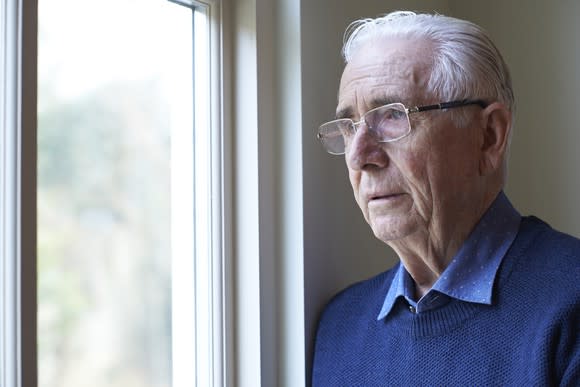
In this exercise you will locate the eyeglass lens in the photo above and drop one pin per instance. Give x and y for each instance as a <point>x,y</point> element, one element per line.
<point>385,123</point>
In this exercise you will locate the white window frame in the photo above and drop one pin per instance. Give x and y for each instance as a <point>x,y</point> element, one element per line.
<point>265,100</point>
<point>198,286</point>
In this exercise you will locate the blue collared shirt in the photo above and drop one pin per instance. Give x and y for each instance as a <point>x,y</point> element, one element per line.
<point>471,274</point>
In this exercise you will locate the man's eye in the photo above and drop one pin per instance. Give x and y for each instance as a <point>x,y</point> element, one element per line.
<point>386,117</point>
<point>393,114</point>
<point>345,128</point>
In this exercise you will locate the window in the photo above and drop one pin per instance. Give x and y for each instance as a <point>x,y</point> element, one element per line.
<point>128,194</point>
<point>124,211</point>
<point>253,281</point>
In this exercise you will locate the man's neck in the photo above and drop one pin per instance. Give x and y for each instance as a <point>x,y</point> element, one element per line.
<point>427,253</point>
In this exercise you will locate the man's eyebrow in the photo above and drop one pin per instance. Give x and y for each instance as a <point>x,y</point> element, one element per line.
<point>381,101</point>
<point>376,102</point>
<point>343,113</point>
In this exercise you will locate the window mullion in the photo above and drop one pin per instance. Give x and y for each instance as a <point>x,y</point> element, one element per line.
<point>18,193</point>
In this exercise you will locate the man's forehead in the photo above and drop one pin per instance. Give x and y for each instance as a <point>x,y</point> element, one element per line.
<point>392,50</point>
<point>382,73</point>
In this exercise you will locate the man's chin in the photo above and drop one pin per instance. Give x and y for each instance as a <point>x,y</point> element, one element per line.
<point>391,229</point>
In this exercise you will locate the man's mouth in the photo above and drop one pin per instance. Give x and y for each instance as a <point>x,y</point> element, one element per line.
<point>385,197</point>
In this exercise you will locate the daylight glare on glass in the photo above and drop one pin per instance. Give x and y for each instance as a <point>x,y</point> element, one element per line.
<point>115,181</point>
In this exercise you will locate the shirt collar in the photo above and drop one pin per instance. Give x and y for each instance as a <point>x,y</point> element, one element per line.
<point>471,273</point>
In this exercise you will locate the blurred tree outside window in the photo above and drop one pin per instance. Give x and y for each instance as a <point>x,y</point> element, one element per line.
<point>115,177</point>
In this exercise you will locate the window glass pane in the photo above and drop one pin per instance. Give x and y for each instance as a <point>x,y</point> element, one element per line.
<point>115,89</point>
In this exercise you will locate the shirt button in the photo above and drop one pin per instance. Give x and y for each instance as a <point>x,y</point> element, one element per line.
<point>412,309</point>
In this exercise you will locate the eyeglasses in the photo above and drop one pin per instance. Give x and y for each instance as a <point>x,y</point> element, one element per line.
<point>386,123</point>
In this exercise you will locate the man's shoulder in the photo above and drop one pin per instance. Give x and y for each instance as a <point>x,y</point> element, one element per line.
<point>550,257</point>
<point>552,249</point>
<point>364,296</point>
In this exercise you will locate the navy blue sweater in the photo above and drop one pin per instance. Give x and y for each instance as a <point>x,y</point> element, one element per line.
<point>529,336</point>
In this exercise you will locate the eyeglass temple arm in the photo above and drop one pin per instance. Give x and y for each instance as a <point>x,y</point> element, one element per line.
<point>449,105</point>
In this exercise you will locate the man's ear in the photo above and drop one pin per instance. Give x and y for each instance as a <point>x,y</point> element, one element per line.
<point>497,123</point>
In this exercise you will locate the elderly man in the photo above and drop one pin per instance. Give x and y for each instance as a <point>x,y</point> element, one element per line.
<point>482,296</point>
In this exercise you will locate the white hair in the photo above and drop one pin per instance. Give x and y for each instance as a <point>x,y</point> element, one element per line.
<point>466,63</point>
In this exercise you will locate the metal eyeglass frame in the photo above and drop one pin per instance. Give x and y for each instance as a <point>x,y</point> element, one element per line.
<point>410,110</point>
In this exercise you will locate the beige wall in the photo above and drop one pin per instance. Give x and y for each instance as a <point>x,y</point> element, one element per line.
<point>540,42</point>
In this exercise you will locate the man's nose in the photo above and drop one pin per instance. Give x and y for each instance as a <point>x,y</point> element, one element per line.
<point>365,150</point>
